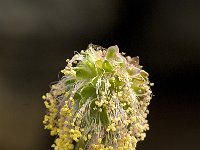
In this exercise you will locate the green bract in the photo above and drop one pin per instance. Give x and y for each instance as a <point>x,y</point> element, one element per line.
<point>100,102</point>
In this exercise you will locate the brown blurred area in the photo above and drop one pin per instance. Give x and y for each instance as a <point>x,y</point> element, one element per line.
<point>37,36</point>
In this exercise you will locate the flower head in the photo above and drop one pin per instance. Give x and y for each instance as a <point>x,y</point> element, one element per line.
<point>100,102</point>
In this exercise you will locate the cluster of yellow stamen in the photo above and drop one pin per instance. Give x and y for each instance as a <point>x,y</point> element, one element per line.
<point>100,103</point>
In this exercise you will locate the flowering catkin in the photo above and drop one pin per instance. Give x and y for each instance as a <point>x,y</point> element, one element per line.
<point>100,103</point>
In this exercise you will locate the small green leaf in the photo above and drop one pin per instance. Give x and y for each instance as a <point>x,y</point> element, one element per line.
<point>70,81</point>
<point>93,112</point>
<point>99,63</point>
<point>86,70</point>
<point>138,90</point>
<point>100,70</point>
<point>77,98</point>
<point>136,85</point>
<point>94,81</point>
<point>87,92</point>
<point>83,73</point>
<point>112,51</point>
<point>144,74</point>
<point>104,117</point>
<point>107,66</point>
<point>137,81</point>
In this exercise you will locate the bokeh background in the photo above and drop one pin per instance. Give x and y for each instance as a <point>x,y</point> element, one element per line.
<point>37,36</point>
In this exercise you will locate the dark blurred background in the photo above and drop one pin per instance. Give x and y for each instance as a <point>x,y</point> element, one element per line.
<point>36,37</point>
